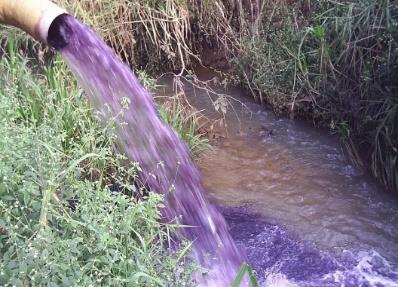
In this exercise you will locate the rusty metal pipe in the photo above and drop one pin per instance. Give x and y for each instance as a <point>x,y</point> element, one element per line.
<point>32,16</point>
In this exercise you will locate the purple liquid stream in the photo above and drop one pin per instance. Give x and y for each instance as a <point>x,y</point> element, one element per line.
<point>165,160</point>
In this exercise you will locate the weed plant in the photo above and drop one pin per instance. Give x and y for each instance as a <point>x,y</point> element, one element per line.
<point>61,221</point>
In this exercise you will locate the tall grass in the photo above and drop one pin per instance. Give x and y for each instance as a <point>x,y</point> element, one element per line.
<point>334,62</point>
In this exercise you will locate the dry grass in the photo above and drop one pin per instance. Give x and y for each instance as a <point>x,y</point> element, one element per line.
<point>162,35</point>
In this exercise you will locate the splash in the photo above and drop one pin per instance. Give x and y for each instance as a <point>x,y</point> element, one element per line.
<point>165,160</point>
<point>282,259</point>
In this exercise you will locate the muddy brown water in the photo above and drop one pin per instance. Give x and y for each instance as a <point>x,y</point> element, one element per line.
<point>290,195</point>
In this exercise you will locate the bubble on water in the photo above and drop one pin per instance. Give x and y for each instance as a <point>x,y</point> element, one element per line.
<point>278,280</point>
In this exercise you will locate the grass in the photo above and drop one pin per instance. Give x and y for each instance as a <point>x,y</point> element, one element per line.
<point>335,63</point>
<point>245,269</point>
<point>185,123</point>
<point>159,36</point>
<point>62,221</point>
<point>175,111</point>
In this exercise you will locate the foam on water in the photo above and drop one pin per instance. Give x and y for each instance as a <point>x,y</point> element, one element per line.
<point>114,91</point>
<point>281,259</point>
<point>369,269</point>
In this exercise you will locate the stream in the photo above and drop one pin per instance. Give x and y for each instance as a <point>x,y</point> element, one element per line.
<point>304,215</point>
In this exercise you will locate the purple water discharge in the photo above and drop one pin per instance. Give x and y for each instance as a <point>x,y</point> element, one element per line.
<point>165,160</point>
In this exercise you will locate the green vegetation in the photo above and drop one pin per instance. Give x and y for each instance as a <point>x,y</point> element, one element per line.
<point>185,122</point>
<point>336,63</point>
<point>74,214</point>
<point>245,269</point>
<point>72,211</point>
<point>332,62</point>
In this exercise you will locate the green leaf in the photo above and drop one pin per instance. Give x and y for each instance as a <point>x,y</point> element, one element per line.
<point>242,272</point>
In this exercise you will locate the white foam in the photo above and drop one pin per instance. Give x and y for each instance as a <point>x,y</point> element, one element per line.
<point>372,269</point>
<point>278,280</point>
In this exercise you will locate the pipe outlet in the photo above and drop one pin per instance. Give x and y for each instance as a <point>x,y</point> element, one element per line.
<point>33,16</point>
